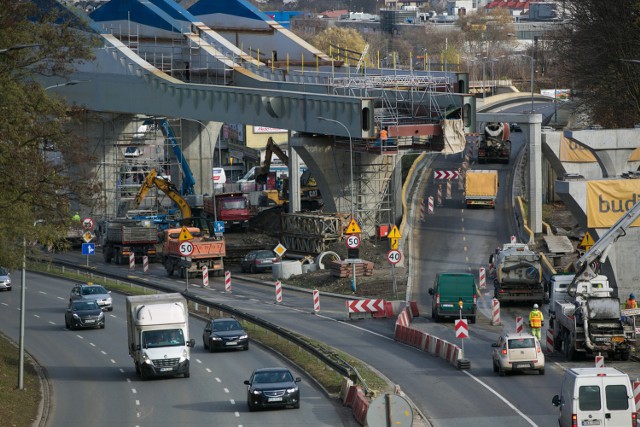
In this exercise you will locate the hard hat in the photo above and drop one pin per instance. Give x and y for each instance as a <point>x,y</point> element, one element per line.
<point>631,296</point>
<point>535,305</point>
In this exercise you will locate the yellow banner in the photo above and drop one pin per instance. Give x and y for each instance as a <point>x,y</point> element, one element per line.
<point>608,200</point>
<point>571,152</point>
<point>635,155</point>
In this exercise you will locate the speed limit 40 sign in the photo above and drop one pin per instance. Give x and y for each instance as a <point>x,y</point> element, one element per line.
<point>186,248</point>
<point>394,256</point>
<point>353,241</point>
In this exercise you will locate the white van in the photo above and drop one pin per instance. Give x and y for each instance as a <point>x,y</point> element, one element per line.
<point>219,177</point>
<point>596,397</point>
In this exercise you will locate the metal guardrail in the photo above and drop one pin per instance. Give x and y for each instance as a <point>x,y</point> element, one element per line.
<point>328,357</point>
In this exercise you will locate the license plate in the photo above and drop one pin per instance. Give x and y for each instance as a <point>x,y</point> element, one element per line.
<point>90,321</point>
<point>275,399</point>
<point>521,365</point>
<point>590,422</point>
<point>166,369</point>
<point>232,343</point>
<point>446,305</point>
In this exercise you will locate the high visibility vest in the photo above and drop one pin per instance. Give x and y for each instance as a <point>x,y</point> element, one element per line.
<point>383,134</point>
<point>535,319</point>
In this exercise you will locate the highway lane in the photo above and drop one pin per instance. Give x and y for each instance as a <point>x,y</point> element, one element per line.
<point>93,378</point>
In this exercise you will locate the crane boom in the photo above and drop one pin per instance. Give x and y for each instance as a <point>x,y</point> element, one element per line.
<point>166,187</point>
<point>188,181</point>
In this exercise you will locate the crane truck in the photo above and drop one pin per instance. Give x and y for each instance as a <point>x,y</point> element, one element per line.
<point>494,145</point>
<point>209,249</point>
<point>188,181</point>
<point>518,274</point>
<point>586,316</point>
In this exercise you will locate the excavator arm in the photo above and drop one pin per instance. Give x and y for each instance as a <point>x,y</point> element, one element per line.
<point>271,149</point>
<point>166,187</point>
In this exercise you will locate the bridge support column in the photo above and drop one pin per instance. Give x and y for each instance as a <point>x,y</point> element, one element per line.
<point>199,146</point>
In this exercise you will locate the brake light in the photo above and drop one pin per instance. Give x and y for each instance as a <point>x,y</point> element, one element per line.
<point>634,419</point>
<point>574,420</point>
<point>475,299</point>
<point>504,351</point>
<point>437,298</point>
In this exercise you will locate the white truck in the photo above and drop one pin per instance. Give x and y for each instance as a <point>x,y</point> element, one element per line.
<point>158,334</point>
<point>585,316</point>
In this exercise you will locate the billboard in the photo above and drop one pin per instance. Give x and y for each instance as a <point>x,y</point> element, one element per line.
<point>559,94</point>
<point>572,152</point>
<point>608,200</point>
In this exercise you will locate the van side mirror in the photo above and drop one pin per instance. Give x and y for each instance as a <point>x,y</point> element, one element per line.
<point>192,343</point>
<point>556,400</point>
<point>495,344</point>
<point>430,291</point>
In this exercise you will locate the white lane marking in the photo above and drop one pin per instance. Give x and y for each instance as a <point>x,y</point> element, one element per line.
<point>5,304</point>
<point>103,352</point>
<point>218,380</point>
<point>465,249</point>
<point>208,370</point>
<point>61,298</point>
<point>42,292</point>
<point>137,402</point>
<point>233,402</point>
<point>113,361</point>
<point>237,414</point>
<point>80,336</point>
<point>499,396</point>
<point>92,344</point>
<point>198,360</point>
<point>122,372</point>
<point>36,316</point>
<point>128,379</point>
<point>52,323</point>
<point>134,391</point>
<point>226,390</point>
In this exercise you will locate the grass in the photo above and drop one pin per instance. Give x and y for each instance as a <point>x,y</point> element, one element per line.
<point>20,407</point>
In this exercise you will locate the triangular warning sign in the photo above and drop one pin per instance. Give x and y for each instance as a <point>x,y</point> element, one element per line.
<point>185,234</point>
<point>394,233</point>
<point>587,241</point>
<point>353,228</point>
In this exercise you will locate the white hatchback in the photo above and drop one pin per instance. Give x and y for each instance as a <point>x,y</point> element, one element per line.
<point>517,352</point>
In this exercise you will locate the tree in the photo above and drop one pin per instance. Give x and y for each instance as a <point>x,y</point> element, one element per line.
<point>33,188</point>
<point>593,57</point>
<point>344,44</point>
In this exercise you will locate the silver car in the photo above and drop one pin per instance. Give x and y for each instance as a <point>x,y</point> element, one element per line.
<point>97,293</point>
<point>5,279</point>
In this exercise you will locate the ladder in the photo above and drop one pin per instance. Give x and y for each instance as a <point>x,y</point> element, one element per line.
<point>362,56</point>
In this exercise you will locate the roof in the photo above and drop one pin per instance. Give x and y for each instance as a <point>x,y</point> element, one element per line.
<point>333,13</point>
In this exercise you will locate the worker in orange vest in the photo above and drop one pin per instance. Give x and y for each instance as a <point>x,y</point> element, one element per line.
<point>384,135</point>
<point>536,320</point>
<point>631,302</point>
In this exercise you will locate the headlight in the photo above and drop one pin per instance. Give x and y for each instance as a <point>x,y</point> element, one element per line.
<point>184,353</point>
<point>215,338</point>
<point>256,392</point>
<point>145,357</point>
<point>109,300</point>
<point>75,316</point>
<point>292,390</point>
<point>244,337</point>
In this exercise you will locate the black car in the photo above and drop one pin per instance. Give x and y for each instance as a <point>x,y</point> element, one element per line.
<point>514,127</point>
<point>220,334</point>
<point>272,387</point>
<point>84,314</point>
<point>256,261</point>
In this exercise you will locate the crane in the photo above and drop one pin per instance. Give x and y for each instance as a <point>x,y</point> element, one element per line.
<point>188,181</point>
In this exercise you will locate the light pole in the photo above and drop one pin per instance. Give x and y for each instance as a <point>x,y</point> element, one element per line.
<point>353,216</point>
<point>533,61</point>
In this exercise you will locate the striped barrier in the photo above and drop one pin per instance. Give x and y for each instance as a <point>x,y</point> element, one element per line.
<point>430,205</point>
<point>448,195</point>
<point>550,344</point>
<point>316,300</point>
<point>599,361</point>
<point>278,291</point>
<point>132,261</point>
<point>422,210</point>
<point>439,194</point>
<point>145,264</point>
<point>519,324</point>
<point>483,278</point>
<point>227,281</point>
<point>205,276</point>
<point>495,312</point>
<point>636,394</point>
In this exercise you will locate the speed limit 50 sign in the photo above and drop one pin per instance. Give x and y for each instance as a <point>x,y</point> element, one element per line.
<point>353,241</point>
<point>394,256</point>
<point>186,248</point>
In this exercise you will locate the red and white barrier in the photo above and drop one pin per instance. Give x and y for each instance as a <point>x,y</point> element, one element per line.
<point>278,291</point>
<point>599,361</point>
<point>448,196</point>
<point>145,263</point>
<point>205,276</point>
<point>513,239</point>
<point>550,344</point>
<point>439,194</point>
<point>316,300</point>
<point>495,312</point>
<point>430,204</point>
<point>519,324</point>
<point>483,278</point>
<point>636,394</point>
<point>227,281</point>
<point>132,261</point>
<point>422,210</point>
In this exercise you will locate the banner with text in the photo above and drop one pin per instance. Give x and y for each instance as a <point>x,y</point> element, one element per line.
<point>635,155</point>
<point>608,200</point>
<point>572,152</point>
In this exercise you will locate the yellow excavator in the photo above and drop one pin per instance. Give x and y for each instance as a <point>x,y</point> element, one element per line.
<point>167,187</point>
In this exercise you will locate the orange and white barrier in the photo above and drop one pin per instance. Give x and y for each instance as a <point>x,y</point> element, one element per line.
<point>227,281</point>
<point>205,276</point>
<point>599,361</point>
<point>430,204</point>
<point>439,194</point>
<point>636,394</point>
<point>132,261</point>
<point>145,263</point>
<point>278,291</point>
<point>495,312</point>
<point>448,196</point>
<point>483,278</point>
<point>422,210</point>
<point>316,300</point>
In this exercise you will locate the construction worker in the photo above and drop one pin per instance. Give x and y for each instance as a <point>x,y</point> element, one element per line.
<point>536,321</point>
<point>384,135</point>
<point>76,217</point>
<point>631,302</point>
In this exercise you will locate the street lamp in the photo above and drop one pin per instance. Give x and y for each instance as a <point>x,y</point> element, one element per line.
<point>353,216</point>
<point>533,61</point>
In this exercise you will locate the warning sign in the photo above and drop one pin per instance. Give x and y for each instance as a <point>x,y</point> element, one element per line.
<point>394,233</point>
<point>587,241</point>
<point>185,234</point>
<point>353,228</point>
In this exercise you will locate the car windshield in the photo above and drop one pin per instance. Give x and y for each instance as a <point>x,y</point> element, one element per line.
<point>522,343</point>
<point>85,305</point>
<point>231,325</point>
<point>3,271</point>
<point>163,338</point>
<point>272,377</point>
<point>94,290</point>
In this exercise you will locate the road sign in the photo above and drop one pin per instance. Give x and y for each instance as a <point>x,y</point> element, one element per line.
<point>218,227</point>
<point>587,241</point>
<point>88,236</point>
<point>353,241</point>
<point>445,174</point>
<point>393,243</point>
<point>462,330</point>
<point>353,228</point>
<point>185,235</point>
<point>186,248</point>
<point>88,224</point>
<point>88,249</point>
<point>394,256</point>
<point>394,233</point>
<point>280,250</point>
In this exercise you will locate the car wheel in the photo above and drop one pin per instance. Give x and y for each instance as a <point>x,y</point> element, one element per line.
<point>253,269</point>
<point>143,374</point>
<point>137,368</point>
<point>102,326</point>
<point>502,372</point>
<point>110,309</point>
<point>66,324</point>
<point>495,367</point>
<point>187,374</point>
<point>251,407</point>
<point>246,347</point>
<point>204,344</point>
<point>296,406</point>
<point>541,371</point>
<point>211,348</point>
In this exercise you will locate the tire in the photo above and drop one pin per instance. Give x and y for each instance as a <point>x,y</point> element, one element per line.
<point>246,347</point>
<point>168,265</point>
<point>251,407</point>
<point>204,344</point>
<point>137,369</point>
<point>501,372</point>
<point>495,367</point>
<point>541,371</point>
<point>143,375</point>
<point>253,269</point>
<point>557,343</point>
<point>187,374</point>
<point>625,355</point>
<point>118,258</point>
<point>211,350</point>
<point>433,314</point>
<point>66,323</point>
<point>102,326</point>
<point>296,406</point>
<point>472,319</point>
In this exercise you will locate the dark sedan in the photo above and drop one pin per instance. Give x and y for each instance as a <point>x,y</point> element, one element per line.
<point>221,334</point>
<point>84,314</point>
<point>257,261</point>
<point>272,387</point>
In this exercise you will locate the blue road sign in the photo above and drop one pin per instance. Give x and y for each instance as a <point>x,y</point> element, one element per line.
<point>218,227</point>
<point>88,248</point>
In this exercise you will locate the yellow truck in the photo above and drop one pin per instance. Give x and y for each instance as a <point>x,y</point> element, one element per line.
<point>481,188</point>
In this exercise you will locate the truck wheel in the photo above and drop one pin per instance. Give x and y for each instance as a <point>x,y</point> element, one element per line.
<point>118,258</point>
<point>557,343</point>
<point>472,319</point>
<point>625,355</point>
<point>168,265</point>
<point>137,368</point>
<point>187,374</point>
